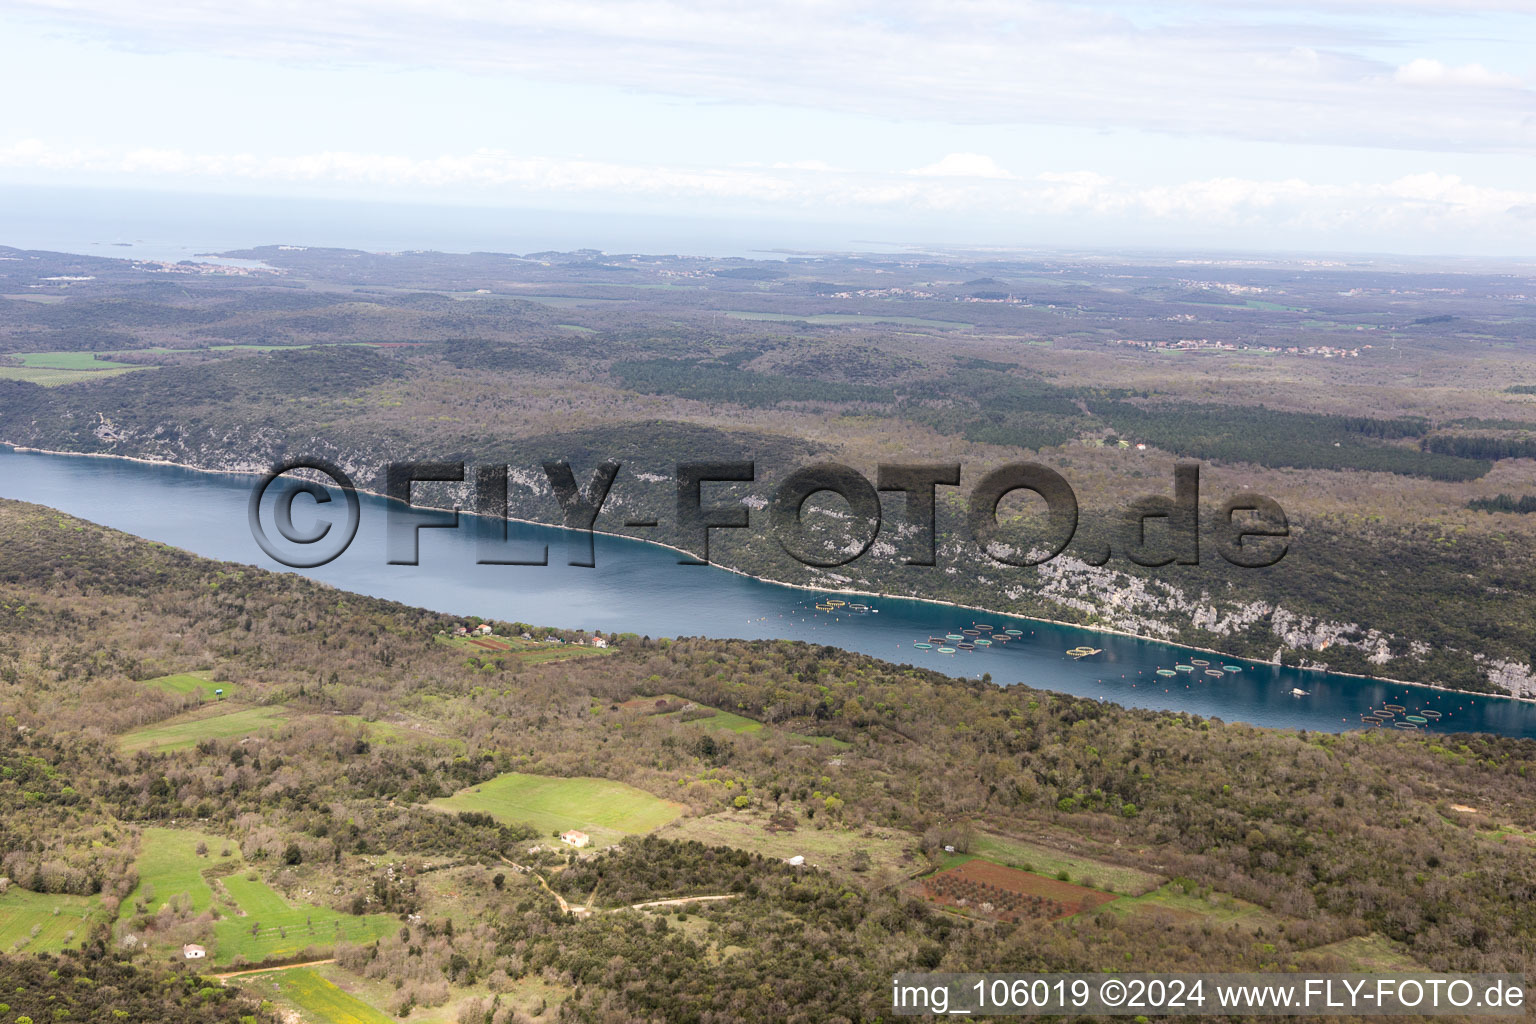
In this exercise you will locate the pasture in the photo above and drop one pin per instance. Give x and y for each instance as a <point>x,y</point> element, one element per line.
<point>190,682</point>
<point>61,921</point>
<point>605,810</point>
<point>269,926</point>
<point>185,731</point>
<point>317,1000</point>
<point>169,865</point>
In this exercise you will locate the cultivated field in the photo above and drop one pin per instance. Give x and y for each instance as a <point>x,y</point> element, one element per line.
<point>605,810</point>
<point>1096,874</point>
<point>185,731</point>
<point>996,890</point>
<point>61,921</point>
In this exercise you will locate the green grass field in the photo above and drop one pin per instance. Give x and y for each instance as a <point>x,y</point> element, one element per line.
<point>188,682</point>
<point>184,731</point>
<point>269,926</point>
<point>1368,953</point>
<point>61,921</point>
<point>168,865</point>
<point>605,810</point>
<point>70,361</point>
<point>727,721</point>
<point>1097,874</point>
<point>839,319</point>
<point>51,369</point>
<point>272,927</point>
<point>317,1000</point>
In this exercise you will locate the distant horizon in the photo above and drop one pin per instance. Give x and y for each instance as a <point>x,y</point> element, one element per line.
<point>156,224</point>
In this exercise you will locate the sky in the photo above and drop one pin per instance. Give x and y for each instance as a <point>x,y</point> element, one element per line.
<point>1330,125</point>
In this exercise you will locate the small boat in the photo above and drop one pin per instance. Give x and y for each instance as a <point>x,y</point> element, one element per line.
<point>1297,691</point>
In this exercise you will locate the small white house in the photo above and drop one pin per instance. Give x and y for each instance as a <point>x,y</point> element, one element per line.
<point>949,849</point>
<point>483,629</point>
<point>598,641</point>
<point>796,861</point>
<point>575,838</point>
<point>192,951</point>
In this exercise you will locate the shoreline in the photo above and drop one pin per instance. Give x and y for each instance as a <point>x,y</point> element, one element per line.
<point>1107,630</point>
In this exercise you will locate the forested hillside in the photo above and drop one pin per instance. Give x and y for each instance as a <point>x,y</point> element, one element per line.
<point>319,829</point>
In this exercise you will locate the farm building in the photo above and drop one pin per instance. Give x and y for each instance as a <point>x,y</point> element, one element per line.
<point>192,951</point>
<point>575,838</point>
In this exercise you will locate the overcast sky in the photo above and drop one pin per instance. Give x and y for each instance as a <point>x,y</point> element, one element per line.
<point>1400,126</point>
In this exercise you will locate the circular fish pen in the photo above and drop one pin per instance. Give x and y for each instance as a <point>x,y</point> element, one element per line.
<point>1419,719</point>
<point>1395,708</point>
<point>923,646</point>
<point>1201,662</point>
<point>1404,725</point>
<point>1184,668</point>
<point>971,632</point>
<point>983,628</point>
<point>1233,668</point>
<point>1214,672</point>
<point>953,636</point>
<point>966,646</point>
<point>1014,632</point>
<point>1166,672</point>
<point>982,642</point>
<point>946,650</point>
<point>1427,713</point>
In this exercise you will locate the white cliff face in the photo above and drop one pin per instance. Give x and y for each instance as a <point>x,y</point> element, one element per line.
<point>1518,679</point>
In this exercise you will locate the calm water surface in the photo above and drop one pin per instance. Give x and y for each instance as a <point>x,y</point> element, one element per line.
<point>641,588</point>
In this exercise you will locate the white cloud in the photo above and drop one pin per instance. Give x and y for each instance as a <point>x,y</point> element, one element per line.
<point>1425,71</point>
<point>963,165</point>
<point>1256,70</point>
